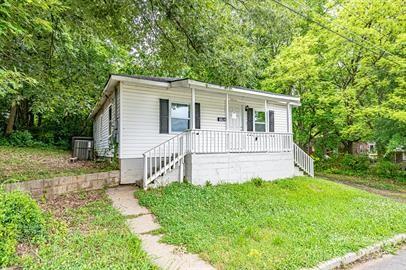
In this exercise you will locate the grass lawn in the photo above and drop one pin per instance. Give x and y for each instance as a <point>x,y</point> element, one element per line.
<point>27,163</point>
<point>89,234</point>
<point>286,224</point>
<point>369,181</point>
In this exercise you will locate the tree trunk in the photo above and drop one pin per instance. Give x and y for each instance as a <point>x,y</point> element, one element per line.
<point>348,147</point>
<point>11,119</point>
<point>39,123</point>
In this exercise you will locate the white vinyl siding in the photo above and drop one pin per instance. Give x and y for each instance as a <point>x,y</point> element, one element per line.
<point>140,117</point>
<point>101,136</point>
<point>212,106</point>
<point>281,116</point>
<point>140,114</point>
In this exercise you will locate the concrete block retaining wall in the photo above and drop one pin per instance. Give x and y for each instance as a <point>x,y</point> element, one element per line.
<point>65,184</point>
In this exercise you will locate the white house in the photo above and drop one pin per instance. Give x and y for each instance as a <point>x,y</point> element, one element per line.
<point>171,129</point>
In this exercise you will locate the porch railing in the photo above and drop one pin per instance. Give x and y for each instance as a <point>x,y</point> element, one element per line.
<point>166,156</point>
<point>222,141</point>
<point>303,160</point>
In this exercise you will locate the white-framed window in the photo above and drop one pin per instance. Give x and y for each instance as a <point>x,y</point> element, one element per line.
<point>260,124</point>
<point>179,117</point>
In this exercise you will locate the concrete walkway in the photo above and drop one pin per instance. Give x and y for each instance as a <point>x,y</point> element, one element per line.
<point>142,222</point>
<point>386,262</point>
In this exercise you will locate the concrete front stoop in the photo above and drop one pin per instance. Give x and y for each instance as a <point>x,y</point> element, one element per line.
<point>142,223</point>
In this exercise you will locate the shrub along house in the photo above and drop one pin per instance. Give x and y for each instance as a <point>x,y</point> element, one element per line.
<point>170,129</point>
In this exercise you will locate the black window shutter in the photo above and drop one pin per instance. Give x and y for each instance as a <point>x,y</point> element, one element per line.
<point>250,119</point>
<point>163,116</point>
<point>197,115</point>
<point>271,121</point>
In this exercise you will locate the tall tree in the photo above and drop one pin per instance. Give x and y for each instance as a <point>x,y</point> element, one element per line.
<point>343,84</point>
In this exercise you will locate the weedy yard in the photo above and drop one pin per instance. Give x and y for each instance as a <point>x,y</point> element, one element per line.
<point>75,231</point>
<point>286,224</point>
<point>28,163</point>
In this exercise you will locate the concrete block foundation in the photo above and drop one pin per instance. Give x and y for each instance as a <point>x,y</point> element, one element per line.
<point>218,168</point>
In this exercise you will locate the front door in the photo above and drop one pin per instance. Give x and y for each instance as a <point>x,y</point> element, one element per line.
<point>235,116</point>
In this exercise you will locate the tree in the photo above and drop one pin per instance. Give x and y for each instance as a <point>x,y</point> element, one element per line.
<point>342,84</point>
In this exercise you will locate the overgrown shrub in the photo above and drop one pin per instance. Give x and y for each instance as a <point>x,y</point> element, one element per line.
<point>360,165</point>
<point>21,221</point>
<point>357,163</point>
<point>21,138</point>
<point>386,169</point>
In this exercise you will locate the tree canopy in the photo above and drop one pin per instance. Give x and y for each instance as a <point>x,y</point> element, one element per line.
<point>344,58</point>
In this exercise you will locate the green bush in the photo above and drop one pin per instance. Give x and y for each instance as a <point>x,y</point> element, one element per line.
<point>21,220</point>
<point>357,163</point>
<point>386,168</point>
<point>257,181</point>
<point>21,138</point>
<point>360,165</point>
<point>348,164</point>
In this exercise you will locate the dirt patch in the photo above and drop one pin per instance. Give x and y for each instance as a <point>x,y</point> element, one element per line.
<point>399,196</point>
<point>60,205</point>
<point>20,164</point>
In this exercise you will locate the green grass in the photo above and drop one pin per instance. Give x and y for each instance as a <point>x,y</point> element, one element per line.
<point>28,163</point>
<point>93,236</point>
<point>369,181</point>
<point>287,224</point>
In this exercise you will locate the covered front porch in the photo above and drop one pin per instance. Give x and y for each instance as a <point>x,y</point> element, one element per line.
<point>258,152</point>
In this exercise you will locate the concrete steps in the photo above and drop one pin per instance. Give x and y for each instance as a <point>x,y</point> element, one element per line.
<point>298,171</point>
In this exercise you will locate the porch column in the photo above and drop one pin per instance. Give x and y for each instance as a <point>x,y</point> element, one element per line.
<point>192,107</point>
<point>289,118</point>
<point>266,117</point>
<point>227,118</point>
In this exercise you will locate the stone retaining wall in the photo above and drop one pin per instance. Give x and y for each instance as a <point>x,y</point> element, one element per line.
<point>66,184</point>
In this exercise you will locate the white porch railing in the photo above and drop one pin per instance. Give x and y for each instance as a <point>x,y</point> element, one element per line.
<point>166,156</point>
<point>303,160</point>
<point>222,141</point>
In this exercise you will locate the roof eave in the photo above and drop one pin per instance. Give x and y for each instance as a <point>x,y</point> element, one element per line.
<point>294,101</point>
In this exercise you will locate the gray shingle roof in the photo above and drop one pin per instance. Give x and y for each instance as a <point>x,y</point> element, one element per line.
<point>172,79</point>
<point>150,78</point>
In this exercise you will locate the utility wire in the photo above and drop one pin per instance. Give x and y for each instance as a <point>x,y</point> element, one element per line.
<point>359,17</point>
<point>327,28</point>
<point>348,30</point>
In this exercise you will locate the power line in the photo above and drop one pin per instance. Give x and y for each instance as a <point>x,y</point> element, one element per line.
<point>327,28</point>
<point>360,18</point>
<point>348,30</point>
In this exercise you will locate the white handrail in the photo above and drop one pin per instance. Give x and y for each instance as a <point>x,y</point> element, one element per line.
<point>303,160</point>
<point>222,141</point>
<point>167,155</point>
<point>164,157</point>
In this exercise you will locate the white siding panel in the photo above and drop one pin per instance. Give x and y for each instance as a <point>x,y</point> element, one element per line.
<point>140,114</point>
<point>212,106</point>
<point>101,134</point>
<point>140,123</point>
<point>281,116</point>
